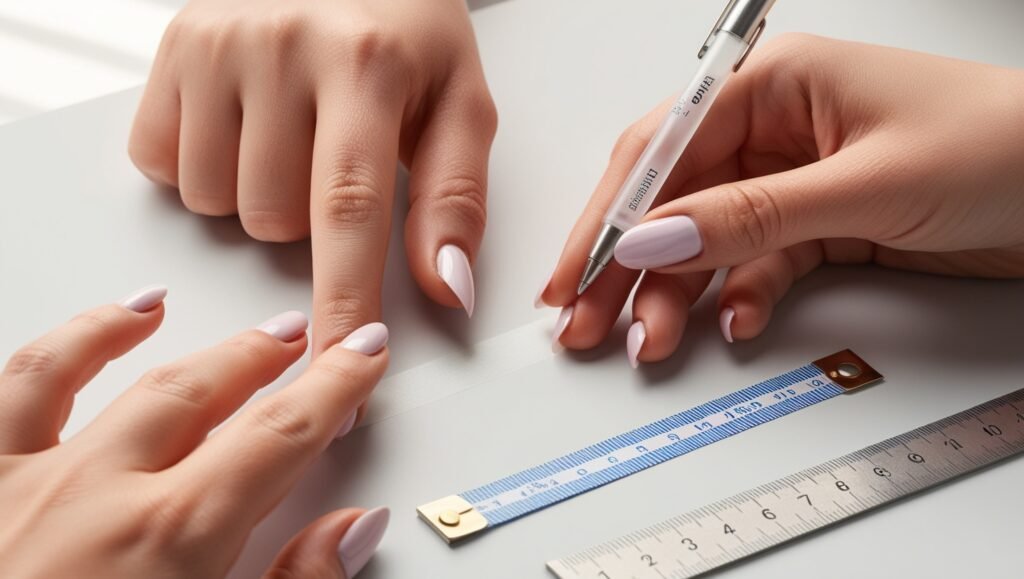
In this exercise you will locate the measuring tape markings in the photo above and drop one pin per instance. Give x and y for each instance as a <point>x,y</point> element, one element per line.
<point>458,516</point>
<point>883,476</point>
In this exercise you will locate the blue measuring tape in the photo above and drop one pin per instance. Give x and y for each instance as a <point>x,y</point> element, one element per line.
<point>535,488</point>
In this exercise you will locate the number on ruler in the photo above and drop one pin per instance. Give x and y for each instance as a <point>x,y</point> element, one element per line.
<point>806,498</point>
<point>953,443</point>
<point>689,544</point>
<point>702,426</point>
<point>914,457</point>
<point>842,486</point>
<point>882,472</point>
<point>729,530</point>
<point>993,430</point>
<point>768,514</point>
<point>649,560</point>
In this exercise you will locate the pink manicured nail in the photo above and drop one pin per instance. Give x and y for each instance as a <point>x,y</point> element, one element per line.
<point>144,299</point>
<point>634,341</point>
<point>659,243</point>
<point>368,339</point>
<point>453,267</point>
<point>725,323</point>
<point>347,426</point>
<point>285,327</point>
<point>538,301</point>
<point>361,540</point>
<point>560,325</point>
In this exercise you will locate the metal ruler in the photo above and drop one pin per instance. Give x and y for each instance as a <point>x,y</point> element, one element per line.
<point>769,515</point>
<point>459,516</point>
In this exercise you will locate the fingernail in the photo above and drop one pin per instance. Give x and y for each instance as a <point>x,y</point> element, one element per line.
<point>368,339</point>
<point>659,243</point>
<point>144,299</point>
<point>347,426</point>
<point>538,301</point>
<point>285,327</point>
<point>634,341</point>
<point>560,325</point>
<point>725,323</point>
<point>453,267</point>
<point>361,540</point>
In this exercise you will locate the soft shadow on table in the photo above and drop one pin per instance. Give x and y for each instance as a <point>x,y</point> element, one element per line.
<point>973,321</point>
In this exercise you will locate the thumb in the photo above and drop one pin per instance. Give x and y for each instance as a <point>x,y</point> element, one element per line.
<point>336,546</point>
<point>738,222</point>
<point>447,196</point>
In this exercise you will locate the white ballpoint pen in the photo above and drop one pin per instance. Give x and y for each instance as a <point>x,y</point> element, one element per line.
<point>725,49</point>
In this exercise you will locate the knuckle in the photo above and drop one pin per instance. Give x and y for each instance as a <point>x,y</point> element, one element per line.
<point>37,358</point>
<point>177,382</point>
<point>287,421</point>
<point>464,198</point>
<point>156,160</point>
<point>352,194</point>
<point>283,30</point>
<point>372,47</point>
<point>205,203</point>
<point>274,226</point>
<point>753,217</point>
<point>343,313</point>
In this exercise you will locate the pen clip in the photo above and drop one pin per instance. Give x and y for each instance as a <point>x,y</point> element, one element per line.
<point>753,41</point>
<point>715,29</point>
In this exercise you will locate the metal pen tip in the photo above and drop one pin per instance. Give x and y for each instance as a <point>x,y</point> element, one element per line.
<point>593,269</point>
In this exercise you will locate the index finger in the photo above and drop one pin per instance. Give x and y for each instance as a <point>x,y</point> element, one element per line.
<point>709,148</point>
<point>355,157</point>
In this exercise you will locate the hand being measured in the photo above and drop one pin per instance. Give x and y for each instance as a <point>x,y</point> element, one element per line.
<point>817,151</point>
<point>145,490</point>
<point>295,115</point>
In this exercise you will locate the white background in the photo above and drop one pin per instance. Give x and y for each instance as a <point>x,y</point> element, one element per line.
<point>80,226</point>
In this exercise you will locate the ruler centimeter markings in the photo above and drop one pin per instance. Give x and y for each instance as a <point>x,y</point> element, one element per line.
<point>732,529</point>
<point>459,516</point>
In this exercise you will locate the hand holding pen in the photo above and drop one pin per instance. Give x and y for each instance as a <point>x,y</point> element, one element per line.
<point>818,151</point>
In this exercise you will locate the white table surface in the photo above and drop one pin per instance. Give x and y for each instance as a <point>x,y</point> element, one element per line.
<point>81,227</point>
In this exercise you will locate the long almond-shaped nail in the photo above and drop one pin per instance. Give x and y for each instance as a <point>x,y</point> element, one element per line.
<point>453,267</point>
<point>361,540</point>
<point>560,325</point>
<point>144,299</point>
<point>725,323</point>
<point>659,243</point>
<point>285,327</point>
<point>368,339</point>
<point>635,339</point>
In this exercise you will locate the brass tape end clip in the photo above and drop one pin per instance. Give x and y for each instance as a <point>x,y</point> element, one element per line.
<point>848,370</point>
<point>453,518</point>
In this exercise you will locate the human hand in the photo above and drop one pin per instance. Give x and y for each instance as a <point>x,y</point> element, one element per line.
<point>818,151</point>
<point>295,115</point>
<point>142,491</point>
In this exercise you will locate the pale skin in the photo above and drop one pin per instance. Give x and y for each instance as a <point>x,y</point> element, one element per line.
<point>145,490</point>
<point>295,117</point>
<point>818,151</point>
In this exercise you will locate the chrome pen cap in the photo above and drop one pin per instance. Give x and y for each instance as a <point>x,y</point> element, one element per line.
<point>744,19</point>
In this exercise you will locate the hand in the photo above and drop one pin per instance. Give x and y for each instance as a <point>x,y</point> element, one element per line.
<point>142,491</point>
<point>295,114</point>
<point>817,151</point>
